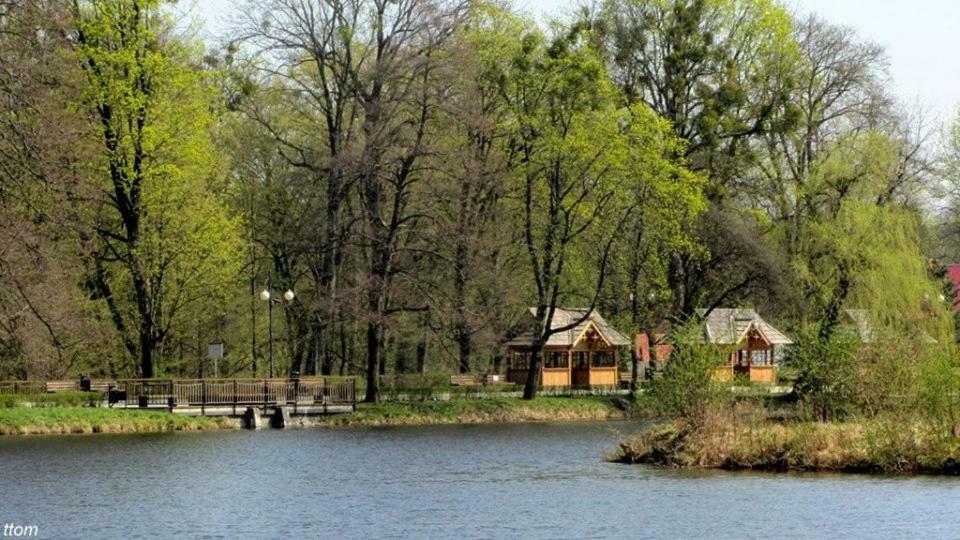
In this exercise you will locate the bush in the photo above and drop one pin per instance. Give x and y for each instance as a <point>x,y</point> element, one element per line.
<point>688,388</point>
<point>825,373</point>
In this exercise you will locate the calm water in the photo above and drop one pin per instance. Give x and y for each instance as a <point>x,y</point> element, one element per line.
<point>531,481</point>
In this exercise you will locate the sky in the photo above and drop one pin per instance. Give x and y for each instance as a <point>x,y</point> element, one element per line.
<point>920,37</point>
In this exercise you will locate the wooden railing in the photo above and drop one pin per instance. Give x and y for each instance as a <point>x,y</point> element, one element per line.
<point>23,387</point>
<point>236,392</point>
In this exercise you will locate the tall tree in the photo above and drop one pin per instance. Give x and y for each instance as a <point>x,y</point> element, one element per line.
<point>163,243</point>
<point>720,71</point>
<point>574,152</point>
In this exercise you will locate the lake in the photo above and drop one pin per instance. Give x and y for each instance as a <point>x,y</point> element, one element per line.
<point>526,480</point>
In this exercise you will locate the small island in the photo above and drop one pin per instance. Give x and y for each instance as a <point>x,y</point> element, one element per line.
<point>861,400</point>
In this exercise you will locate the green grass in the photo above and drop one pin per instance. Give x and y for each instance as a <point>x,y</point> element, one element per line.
<point>54,420</point>
<point>59,399</point>
<point>479,411</point>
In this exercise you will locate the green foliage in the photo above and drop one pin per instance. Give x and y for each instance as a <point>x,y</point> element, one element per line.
<point>718,70</point>
<point>826,372</point>
<point>689,387</point>
<point>938,390</point>
<point>168,250</point>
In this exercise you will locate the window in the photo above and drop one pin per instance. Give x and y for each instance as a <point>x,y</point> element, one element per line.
<point>555,359</point>
<point>581,360</point>
<point>520,360</point>
<point>761,358</point>
<point>604,359</point>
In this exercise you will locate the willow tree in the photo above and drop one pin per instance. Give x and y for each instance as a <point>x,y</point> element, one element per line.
<point>862,267</point>
<point>163,243</point>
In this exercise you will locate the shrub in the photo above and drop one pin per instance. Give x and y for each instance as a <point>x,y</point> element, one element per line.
<point>825,373</point>
<point>688,388</point>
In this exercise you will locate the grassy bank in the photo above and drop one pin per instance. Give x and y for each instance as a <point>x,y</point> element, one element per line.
<point>54,420</point>
<point>57,420</point>
<point>480,411</point>
<point>877,445</point>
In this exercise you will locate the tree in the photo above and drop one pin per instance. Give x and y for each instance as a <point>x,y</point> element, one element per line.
<point>47,327</point>
<point>311,55</point>
<point>473,293</point>
<point>574,155</point>
<point>720,71</point>
<point>398,96</point>
<point>163,243</point>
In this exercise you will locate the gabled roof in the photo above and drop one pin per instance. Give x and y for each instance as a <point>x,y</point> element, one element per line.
<point>728,326</point>
<point>565,316</point>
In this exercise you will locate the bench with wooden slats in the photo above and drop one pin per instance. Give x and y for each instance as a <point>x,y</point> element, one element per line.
<point>63,386</point>
<point>102,385</point>
<point>464,380</point>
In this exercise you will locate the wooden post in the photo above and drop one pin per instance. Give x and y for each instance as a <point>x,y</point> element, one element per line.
<point>296,393</point>
<point>203,397</point>
<point>234,397</point>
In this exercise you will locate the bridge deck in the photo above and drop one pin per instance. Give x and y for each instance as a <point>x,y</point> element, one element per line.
<point>231,397</point>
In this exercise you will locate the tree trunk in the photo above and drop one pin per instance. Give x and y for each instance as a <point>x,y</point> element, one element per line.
<point>374,330</point>
<point>147,345</point>
<point>421,356</point>
<point>635,372</point>
<point>533,376</point>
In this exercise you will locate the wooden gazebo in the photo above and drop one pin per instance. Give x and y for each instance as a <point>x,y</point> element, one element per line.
<point>757,344</point>
<point>585,355</point>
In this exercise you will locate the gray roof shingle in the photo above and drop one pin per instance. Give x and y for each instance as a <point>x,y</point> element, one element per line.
<point>726,326</point>
<point>563,317</point>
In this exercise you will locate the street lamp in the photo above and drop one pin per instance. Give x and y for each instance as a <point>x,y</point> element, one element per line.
<point>267,297</point>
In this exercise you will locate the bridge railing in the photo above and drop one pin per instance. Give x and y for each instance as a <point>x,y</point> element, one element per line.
<point>23,387</point>
<point>234,392</point>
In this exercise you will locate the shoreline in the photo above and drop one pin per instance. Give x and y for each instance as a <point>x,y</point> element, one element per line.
<point>25,421</point>
<point>872,446</point>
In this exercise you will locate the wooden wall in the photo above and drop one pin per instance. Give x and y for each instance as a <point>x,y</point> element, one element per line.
<point>604,376</point>
<point>765,374</point>
<point>556,377</point>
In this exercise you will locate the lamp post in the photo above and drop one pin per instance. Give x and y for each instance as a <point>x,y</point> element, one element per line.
<point>267,297</point>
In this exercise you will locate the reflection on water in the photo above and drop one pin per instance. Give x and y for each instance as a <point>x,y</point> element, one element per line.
<point>528,480</point>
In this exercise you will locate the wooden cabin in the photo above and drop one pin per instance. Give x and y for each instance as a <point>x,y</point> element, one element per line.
<point>586,355</point>
<point>758,346</point>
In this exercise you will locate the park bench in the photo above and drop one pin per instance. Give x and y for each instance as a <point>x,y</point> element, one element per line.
<point>464,380</point>
<point>63,386</point>
<point>102,385</point>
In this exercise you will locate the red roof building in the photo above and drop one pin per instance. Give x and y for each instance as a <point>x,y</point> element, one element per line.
<point>953,272</point>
